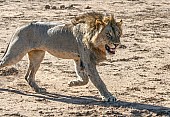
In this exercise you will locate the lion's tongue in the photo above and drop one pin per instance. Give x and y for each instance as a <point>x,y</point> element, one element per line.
<point>112,50</point>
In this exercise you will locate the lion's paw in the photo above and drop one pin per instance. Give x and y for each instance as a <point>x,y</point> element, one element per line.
<point>109,99</point>
<point>77,83</point>
<point>40,90</point>
<point>71,83</point>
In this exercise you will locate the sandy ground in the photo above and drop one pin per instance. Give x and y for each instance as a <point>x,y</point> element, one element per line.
<point>138,75</point>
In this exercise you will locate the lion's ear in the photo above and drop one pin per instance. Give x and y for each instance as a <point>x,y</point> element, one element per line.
<point>99,22</point>
<point>120,23</point>
<point>112,19</point>
<point>106,20</point>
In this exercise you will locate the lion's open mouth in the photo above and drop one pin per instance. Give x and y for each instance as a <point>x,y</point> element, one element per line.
<point>111,50</point>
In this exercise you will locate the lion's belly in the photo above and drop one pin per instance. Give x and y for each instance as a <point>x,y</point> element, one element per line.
<point>64,54</point>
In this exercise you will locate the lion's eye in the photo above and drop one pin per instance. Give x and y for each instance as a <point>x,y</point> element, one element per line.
<point>108,35</point>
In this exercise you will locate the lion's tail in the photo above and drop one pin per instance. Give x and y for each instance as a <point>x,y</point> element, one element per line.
<point>15,51</point>
<point>1,61</point>
<point>5,51</point>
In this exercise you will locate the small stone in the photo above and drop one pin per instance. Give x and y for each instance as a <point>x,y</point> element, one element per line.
<point>47,6</point>
<point>54,7</point>
<point>2,51</point>
<point>88,7</point>
<point>62,7</point>
<point>70,6</point>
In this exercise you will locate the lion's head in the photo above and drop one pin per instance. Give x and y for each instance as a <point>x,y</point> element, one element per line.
<point>102,32</point>
<point>109,35</point>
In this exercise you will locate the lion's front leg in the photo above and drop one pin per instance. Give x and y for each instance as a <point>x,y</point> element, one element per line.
<point>98,83</point>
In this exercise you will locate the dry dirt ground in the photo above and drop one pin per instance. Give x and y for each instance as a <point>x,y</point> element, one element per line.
<point>138,75</point>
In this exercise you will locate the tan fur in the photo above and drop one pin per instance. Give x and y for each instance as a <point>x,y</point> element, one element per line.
<point>83,41</point>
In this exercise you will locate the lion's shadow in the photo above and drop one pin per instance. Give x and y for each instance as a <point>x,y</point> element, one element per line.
<point>89,100</point>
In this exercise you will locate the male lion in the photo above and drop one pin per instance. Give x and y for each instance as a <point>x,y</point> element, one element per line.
<point>86,40</point>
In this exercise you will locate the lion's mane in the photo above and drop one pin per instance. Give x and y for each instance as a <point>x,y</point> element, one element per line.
<point>94,22</point>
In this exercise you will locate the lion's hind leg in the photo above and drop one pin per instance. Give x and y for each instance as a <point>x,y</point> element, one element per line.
<point>82,76</point>
<point>35,58</point>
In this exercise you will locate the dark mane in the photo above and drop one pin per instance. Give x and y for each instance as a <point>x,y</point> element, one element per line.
<point>93,19</point>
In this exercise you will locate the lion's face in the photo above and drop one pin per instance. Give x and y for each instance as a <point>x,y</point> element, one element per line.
<point>101,32</point>
<point>110,36</point>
